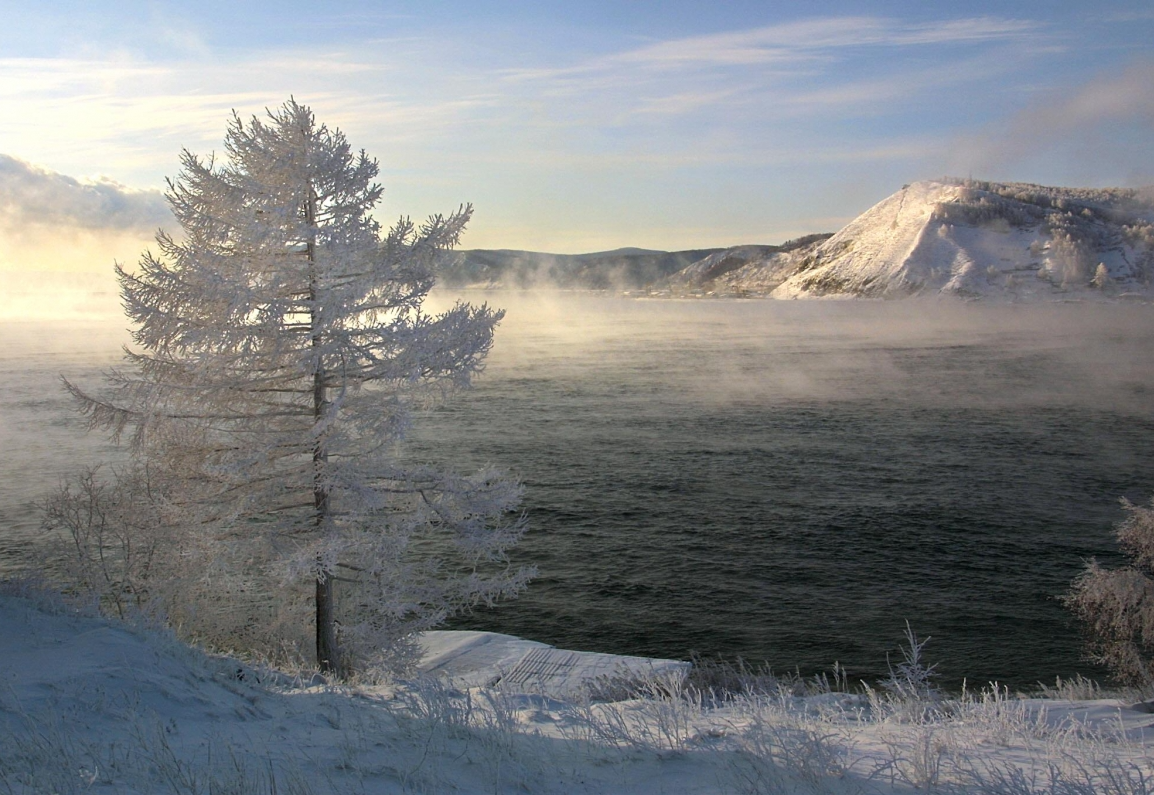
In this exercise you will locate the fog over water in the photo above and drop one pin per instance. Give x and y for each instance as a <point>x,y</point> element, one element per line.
<point>784,481</point>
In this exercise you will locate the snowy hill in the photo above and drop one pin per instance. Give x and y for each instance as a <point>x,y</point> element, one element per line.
<point>957,237</point>
<point>974,239</point>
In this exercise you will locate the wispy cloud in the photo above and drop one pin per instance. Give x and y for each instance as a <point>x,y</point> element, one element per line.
<point>793,43</point>
<point>1126,17</point>
<point>816,66</point>
<point>785,42</point>
<point>51,221</point>
<point>684,102</point>
<point>1117,96</point>
<point>131,116</point>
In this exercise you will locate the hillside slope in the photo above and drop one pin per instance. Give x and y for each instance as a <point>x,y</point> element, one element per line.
<point>746,270</point>
<point>983,239</point>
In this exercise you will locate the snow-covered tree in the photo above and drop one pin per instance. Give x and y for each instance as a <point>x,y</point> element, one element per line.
<point>1101,278</point>
<point>282,346</point>
<point>1116,606</point>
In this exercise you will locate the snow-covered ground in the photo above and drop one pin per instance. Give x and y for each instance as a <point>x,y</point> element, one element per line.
<point>87,705</point>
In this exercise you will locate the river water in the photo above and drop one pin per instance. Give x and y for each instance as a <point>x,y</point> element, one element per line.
<point>789,482</point>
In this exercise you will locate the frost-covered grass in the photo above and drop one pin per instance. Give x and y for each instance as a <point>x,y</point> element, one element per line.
<point>92,706</point>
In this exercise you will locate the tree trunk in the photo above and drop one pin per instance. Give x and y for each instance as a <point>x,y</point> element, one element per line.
<point>328,653</point>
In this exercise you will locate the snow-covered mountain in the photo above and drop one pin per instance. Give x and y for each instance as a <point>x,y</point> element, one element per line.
<point>965,238</point>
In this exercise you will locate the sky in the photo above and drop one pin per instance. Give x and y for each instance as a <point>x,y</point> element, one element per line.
<point>575,126</point>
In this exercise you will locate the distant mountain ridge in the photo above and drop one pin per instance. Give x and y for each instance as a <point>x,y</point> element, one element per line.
<point>621,269</point>
<point>964,238</point>
<point>954,237</point>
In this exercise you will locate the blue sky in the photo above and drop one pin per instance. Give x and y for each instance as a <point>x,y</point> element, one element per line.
<point>584,126</point>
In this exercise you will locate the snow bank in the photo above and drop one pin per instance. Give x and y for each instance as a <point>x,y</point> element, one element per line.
<point>87,705</point>
<point>490,659</point>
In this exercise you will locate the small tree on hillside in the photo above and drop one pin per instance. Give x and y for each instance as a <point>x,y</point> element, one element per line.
<point>1116,606</point>
<point>1101,278</point>
<point>283,345</point>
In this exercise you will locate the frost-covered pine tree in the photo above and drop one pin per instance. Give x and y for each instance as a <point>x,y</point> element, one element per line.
<point>283,345</point>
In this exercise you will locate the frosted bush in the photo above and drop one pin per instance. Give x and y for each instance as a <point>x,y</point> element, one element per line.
<point>1116,606</point>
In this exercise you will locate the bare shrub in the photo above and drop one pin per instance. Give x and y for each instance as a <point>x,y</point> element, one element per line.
<point>110,536</point>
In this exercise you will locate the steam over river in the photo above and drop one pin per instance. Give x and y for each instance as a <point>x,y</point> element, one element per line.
<point>787,482</point>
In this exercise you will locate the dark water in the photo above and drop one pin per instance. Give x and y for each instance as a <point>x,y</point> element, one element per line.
<point>787,482</point>
<point>791,483</point>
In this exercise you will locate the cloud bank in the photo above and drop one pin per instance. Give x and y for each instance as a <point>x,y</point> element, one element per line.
<point>787,42</point>
<point>32,195</point>
<point>54,222</point>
